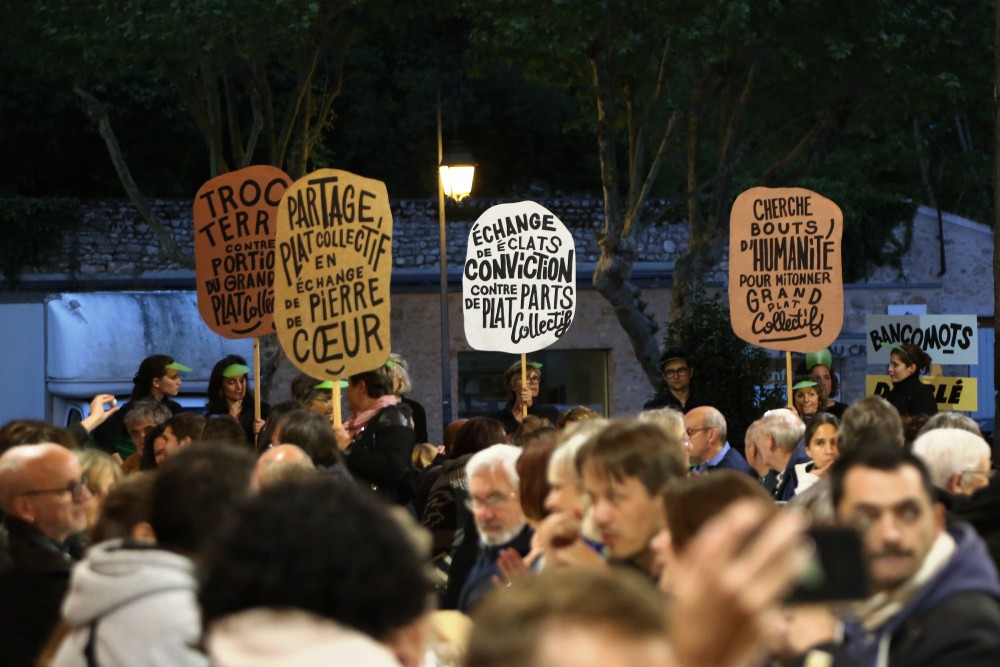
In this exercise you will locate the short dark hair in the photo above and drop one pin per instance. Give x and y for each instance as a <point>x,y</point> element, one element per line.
<point>224,430</point>
<point>887,458</point>
<point>818,420</point>
<point>304,388</point>
<point>187,425</point>
<point>314,435</point>
<point>476,434</point>
<point>33,432</point>
<point>128,503</point>
<point>691,501</point>
<point>318,545</point>
<point>378,381</point>
<point>510,623</point>
<point>147,460</point>
<point>196,493</point>
<point>870,422</point>
<point>632,448</point>
<point>909,353</point>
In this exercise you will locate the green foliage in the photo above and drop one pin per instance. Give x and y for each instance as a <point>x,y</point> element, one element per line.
<point>32,229</point>
<point>728,370</point>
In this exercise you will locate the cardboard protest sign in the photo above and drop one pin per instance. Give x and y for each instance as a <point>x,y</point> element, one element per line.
<point>234,223</point>
<point>519,281</point>
<point>786,288</point>
<point>948,339</point>
<point>334,250</point>
<point>951,393</point>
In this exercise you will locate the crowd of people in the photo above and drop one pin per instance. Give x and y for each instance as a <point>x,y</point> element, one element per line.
<point>146,535</point>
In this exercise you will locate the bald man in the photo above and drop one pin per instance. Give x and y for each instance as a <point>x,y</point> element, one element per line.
<point>706,442</point>
<point>42,494</point>
<point>281,463</point>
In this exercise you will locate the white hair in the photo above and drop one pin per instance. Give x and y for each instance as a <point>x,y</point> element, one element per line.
<point>947,451</point>
<point>562,463</point>
<point>503,457</point>
<point>784,426</point>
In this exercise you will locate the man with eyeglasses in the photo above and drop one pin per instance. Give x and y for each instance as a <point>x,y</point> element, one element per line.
<point>677,373</point>
<point>935,594</point>
<point>707,446</point>
<point>42,492</point>
<point>495,504</point>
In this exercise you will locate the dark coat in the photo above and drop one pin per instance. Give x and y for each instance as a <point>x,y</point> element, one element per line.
<point>479,581</point>
<point>510,422</point>
<point>669,400</point>
<point>379,456</point>
<point>953,620</point>
<point>733,460</point>
<point>912,397</point>
<point>34,576</point>
<point>789,478</point>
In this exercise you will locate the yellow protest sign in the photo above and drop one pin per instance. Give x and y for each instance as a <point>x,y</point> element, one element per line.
<point>951,393</point>
<point>334,263</point>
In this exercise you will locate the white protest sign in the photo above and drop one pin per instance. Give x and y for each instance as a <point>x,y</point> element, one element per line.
<point>519,282</point>
<point>948,339</point>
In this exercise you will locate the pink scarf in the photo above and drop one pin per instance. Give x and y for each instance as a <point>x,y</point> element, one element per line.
<point>357,423</point>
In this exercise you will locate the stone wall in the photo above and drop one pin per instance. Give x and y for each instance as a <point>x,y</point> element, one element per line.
<point>113,240</point>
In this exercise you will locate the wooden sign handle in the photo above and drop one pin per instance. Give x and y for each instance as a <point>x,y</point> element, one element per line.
<point>256,378</point>
<point>335,395</point>
<point>524,382</point>
<point>788,377</point>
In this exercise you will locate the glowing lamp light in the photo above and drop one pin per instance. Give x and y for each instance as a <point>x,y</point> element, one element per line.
<point>457,170</point>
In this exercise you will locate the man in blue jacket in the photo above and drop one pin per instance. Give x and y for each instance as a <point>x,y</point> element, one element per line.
<point>936,597</point>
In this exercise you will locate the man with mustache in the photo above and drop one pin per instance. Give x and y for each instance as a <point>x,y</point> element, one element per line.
<point>936,597</point>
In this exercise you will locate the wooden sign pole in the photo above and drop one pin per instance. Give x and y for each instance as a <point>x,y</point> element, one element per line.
<point>524,382</point>
<point>335,395</point>
<point>788,376</point>
<point>256,378</point>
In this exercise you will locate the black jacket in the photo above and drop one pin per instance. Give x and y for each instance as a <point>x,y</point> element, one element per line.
<point>379,456</point>
<point>912,397</point>
<point>34,576</point>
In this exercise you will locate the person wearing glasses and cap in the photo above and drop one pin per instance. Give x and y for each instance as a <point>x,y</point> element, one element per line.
<point>229,394</point>
<point>512,414</point>
<point>42,493</point>
<point>819,367</point>
<point>158,377</point>
<point>677,373</point>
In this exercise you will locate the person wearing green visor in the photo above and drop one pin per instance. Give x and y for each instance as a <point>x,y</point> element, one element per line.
<point>158,377</point>
<point>819,367</point>
<point>512,414</point>
<point>229,393</point>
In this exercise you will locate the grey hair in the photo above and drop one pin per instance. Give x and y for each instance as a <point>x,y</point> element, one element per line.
<point>784,426</point>
<point>947,451</point>
<point>951,419</point>
<point>503,457</point>
<point>400,371</point>
<point>669,418</point>
<point>562,463</point>
<point>147,408</point>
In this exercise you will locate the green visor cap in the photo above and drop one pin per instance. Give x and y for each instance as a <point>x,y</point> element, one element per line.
<point>235,370</point>
<point>328,385</point>
<point>177,366</point>
<point>821,358</point>
<point>804,384</point>
<point>534,364</point>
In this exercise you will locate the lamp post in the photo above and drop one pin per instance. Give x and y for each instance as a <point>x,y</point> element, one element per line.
<point>455,170</point>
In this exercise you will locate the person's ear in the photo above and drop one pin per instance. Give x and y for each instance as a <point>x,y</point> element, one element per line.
<point>185,441</point>
<point>955,484</point>
<point>22,509</point>
<point>143,532</point>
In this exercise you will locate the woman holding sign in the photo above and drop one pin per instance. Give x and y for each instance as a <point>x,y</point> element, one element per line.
<point>378,439</point>
<point>520,396</point>
<point>229,394</point>
<point>909,395</point>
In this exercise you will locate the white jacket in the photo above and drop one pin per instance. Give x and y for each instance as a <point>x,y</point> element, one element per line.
<point>145,604</point>
<point>291,638</point>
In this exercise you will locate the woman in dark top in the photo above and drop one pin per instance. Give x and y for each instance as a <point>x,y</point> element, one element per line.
<point>158,377</point>
<point>909,395</point>
<point>401,384</point>
<point>377,441</point>
<point>513,413</point>
<point>229,394</point>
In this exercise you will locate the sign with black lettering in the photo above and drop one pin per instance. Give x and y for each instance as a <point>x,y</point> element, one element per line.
<point>951,393</point>
<point>948,339</point>
<point>786,286</point>
<point>334,251</point>
<point>234,223</point>
<point>519,281</point>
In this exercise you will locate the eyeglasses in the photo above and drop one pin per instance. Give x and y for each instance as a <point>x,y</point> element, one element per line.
<point>676,372</point>
<point>533,378</point>
<point>75,489</point>
<point>988,474</point>
<point>491,501</point>
<point>325,401</point>
<point>692,431</point>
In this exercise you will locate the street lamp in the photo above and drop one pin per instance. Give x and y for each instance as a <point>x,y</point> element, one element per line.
<point>456,168</point>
